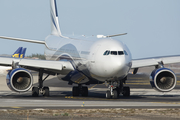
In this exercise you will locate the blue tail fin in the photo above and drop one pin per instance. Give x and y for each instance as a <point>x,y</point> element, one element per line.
<point>23,53</point>
<point>17,53</point>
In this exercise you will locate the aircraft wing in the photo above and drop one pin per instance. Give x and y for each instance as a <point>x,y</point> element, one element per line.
<point>138,63</point>
<point>49,66</point>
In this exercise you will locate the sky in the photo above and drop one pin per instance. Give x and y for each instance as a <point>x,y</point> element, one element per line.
<point>153,26</point>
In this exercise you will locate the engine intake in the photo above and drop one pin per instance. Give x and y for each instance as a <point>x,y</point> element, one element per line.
<point>19,80</point>
<point>163,79</point>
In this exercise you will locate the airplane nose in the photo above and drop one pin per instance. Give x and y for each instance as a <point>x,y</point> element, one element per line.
<point>114,66</point>
<point>117,64</point>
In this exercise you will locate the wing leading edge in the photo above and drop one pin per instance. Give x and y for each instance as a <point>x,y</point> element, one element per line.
<point>138,63</point>
<point>49,66</point>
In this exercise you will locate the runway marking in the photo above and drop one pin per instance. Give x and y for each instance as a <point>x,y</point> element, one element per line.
<point>135,78</point>
<point>70,97</point>
<point>142,84</point>
<point>92,87</point>
<point>139,83</point>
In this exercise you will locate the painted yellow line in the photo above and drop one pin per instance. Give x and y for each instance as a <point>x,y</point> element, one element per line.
<point>142,83</point>
<point>138,83</point>
<point>135,78</point>
<point>92,87</point>
<point>69,97</point>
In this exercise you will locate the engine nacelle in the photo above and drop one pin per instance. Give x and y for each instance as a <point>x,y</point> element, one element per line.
<point>19,80</point>
<point>163,79</point>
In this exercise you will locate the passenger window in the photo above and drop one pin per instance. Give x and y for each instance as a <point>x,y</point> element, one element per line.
<point>120,53</point>
<point>113,52</point>
<point>125,52</point>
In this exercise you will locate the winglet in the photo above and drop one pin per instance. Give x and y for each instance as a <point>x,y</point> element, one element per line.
<point>55,29</point>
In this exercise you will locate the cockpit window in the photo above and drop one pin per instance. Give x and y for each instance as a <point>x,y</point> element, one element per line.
<point>113,52</point>
<point>106,52</point>
<point>125,52</point>
<point>120,53</point>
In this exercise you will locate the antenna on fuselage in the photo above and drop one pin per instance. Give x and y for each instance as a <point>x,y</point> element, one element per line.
<point>103,36</point>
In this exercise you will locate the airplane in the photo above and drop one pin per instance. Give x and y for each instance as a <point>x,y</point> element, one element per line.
<point>84,61</point>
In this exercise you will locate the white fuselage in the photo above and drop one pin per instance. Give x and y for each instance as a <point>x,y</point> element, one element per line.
<point>100,59</point>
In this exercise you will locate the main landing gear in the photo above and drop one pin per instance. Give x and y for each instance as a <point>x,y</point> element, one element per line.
<point>116,88</point>
<point>40,89</point>
<point>77,90</point>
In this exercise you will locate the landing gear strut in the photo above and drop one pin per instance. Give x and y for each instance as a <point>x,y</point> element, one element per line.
<point>40,89</point>
<point>116,88</point>
<point>77,90</point>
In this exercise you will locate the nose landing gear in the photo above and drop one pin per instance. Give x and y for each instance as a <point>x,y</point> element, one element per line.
<point>117,88</point>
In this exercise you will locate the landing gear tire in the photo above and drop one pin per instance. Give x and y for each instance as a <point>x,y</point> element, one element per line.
<point>46,91</point>
<point>84,91</point>
<point>35,91</point>
<point>75,91</point>
<point>115,94</point>
<point>126,91</point>
<point>108,94</point>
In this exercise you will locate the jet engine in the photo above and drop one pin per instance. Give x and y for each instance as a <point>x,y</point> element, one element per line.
<point>19,80</point>
<point>163,79</point>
